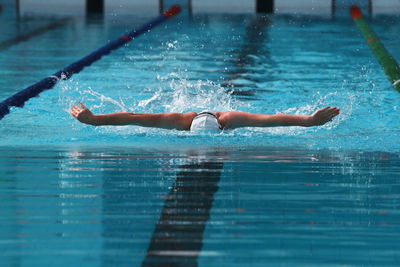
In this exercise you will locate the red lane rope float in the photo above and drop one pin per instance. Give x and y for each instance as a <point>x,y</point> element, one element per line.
<point>355,12</point>
<point>372,39</point>
<point>19,99</point>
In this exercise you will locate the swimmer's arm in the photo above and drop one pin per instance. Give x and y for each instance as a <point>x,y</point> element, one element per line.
<point>177,121</point>
<point>231,120</point>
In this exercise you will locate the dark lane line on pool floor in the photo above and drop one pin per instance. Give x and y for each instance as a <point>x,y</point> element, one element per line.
<point>26,37</point>
<point>254,41</point>
<point>178,236</point>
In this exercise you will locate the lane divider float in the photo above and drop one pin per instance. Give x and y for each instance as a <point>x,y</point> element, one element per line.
<point>19,99</point>
<point>386,60</point>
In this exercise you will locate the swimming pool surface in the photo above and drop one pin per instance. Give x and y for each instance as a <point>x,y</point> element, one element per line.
<point>73,194</point>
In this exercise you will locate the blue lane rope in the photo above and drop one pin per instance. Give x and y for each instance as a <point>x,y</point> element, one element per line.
<point>19,99</point>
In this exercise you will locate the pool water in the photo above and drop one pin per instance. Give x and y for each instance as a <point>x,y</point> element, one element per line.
<point>75,194</point>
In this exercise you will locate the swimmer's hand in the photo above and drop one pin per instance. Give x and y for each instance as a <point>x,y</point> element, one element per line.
<point>83,114</point>
<point>322,116</point>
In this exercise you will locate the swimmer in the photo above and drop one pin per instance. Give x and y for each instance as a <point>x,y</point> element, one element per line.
<point>204,120</point>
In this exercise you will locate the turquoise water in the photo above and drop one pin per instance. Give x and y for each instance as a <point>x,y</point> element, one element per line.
<point>75,194</point>
<point>209,207</point>
<point>272,65</point>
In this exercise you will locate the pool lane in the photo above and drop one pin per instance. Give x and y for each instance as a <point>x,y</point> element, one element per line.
<point>98,207</point>
<point>35,33</point>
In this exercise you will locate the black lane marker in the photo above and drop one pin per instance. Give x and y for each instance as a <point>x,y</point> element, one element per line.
<point>178,236</point>
<point>17,9</point>
<point>94,6</point>
<point>25,37</point>
<point>190,8</point>
<point>161,6</point>
<point>370,8</point>
<point>265,6</point>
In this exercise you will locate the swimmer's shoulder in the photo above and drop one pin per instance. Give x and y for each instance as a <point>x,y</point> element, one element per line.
<point>221,117</point>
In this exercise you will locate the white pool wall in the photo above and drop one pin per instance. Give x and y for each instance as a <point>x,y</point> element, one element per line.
<point>390,7</point>
<point>308,7</point>
<point>152,7</point>
<point>223,6</point>
<point>126,7</point>
<point>53,7</point>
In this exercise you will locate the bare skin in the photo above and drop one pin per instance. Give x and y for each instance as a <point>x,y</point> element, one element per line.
<point>182,121</point>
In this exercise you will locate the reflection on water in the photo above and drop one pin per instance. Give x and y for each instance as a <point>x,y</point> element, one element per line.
<point>220,207</point>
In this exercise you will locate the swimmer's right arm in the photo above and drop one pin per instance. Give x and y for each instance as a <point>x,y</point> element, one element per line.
<point>177,121</point>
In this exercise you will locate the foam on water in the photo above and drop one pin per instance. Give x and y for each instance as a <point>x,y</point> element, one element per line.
<point>177,94</point>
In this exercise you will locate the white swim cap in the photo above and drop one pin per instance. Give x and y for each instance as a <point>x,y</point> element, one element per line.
<point>204,121</point>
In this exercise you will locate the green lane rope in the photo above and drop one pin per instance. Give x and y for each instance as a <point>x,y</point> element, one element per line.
<point>387,62</point>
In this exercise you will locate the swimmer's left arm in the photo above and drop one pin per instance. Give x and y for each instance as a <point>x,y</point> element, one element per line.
<point>231,120</point>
